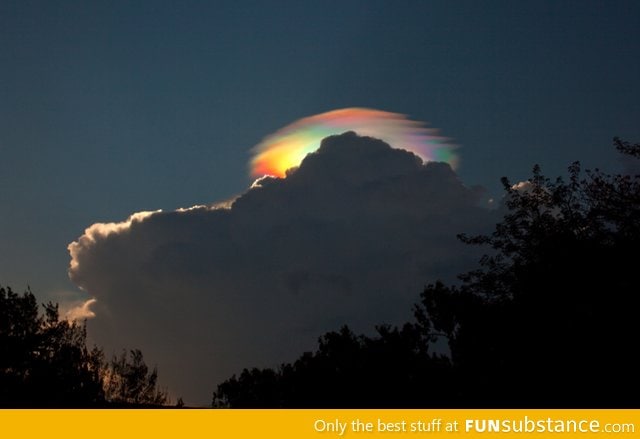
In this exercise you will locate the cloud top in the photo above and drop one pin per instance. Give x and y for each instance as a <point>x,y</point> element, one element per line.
<point>287,147</point>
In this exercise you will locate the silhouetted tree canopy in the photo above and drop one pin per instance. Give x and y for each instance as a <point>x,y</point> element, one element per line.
<point>548,319</point>
<point>390,369</point>
<point>131,382</point>
<point>44,362</point>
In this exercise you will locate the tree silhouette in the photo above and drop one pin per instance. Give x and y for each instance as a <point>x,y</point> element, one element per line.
<point>44,362</point>
<point>548,319</point>
<point>555,300</point>
<point>129,382</point>
<point>390,369</point>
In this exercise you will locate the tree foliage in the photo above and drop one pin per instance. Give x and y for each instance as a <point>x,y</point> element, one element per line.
<point>554,302</point>
<point>45,362</point>
<point>391,368</point>
<point>128,380</point>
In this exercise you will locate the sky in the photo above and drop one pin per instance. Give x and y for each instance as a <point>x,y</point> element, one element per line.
<point>112,108</point>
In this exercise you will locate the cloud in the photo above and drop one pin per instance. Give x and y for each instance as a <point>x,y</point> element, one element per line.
<point>523,186</point>
<point>287,147</point>
<point>351,236</point>
<point>78,310</point>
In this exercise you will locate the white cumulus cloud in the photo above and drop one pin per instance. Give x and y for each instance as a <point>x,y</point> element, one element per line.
<point>349,237</point>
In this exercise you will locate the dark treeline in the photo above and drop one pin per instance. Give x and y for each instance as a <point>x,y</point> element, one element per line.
<point>548,319</point>
<point>45,363</point>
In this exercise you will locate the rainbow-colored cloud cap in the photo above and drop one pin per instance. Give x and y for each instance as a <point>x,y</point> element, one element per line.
<point>287,147</point>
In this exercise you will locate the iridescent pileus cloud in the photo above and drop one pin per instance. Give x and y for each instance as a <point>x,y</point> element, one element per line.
<point>287,147</point>
<point>350,236</point>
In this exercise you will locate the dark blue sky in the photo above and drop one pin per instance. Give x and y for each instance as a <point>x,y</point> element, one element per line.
<point>107,108</point>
